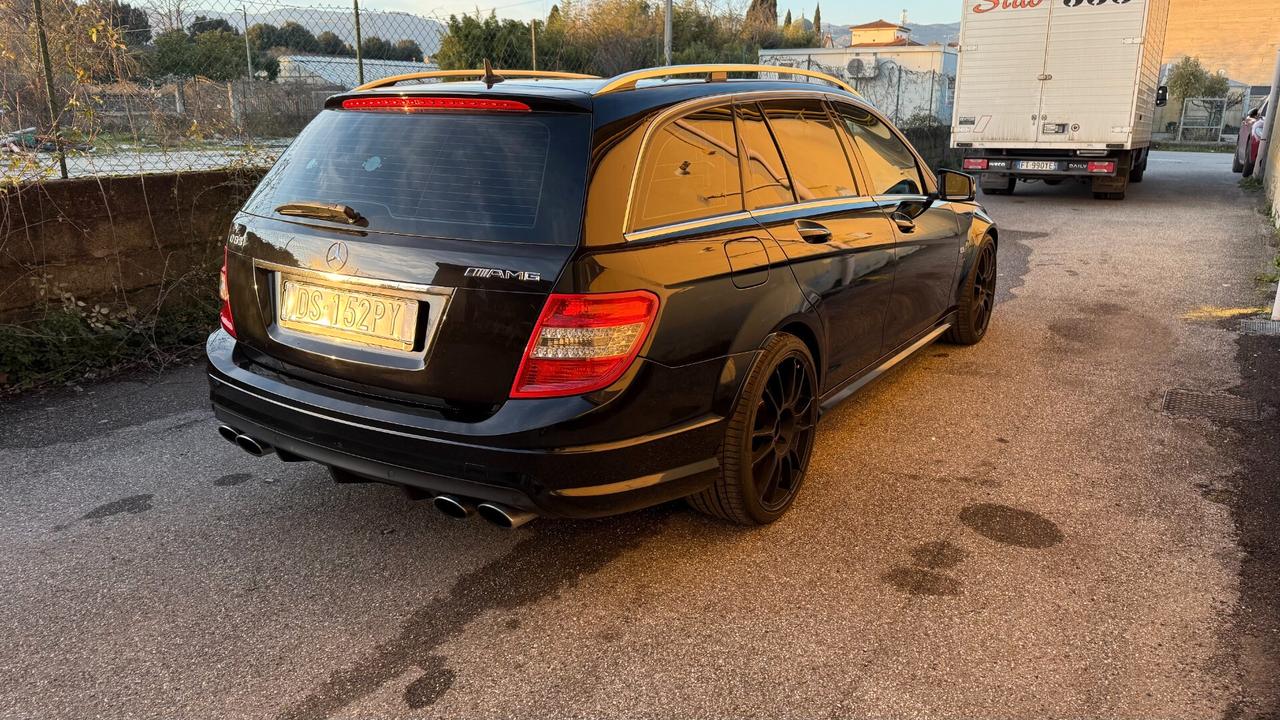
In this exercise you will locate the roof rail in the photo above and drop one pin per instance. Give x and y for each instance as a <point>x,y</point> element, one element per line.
<point>628,80</point>
<point>427,75</point>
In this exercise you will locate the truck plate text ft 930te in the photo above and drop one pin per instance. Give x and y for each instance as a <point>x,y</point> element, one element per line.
<point>1056,89</point>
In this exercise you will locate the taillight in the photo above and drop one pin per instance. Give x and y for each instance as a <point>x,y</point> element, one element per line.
<point>393,103</point>
<point>975,163</point>
<point>1102,166</point>
<point>584,342</point>
<point>224,294</point>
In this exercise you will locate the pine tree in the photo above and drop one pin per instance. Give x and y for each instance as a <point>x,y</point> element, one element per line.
<point>787,21</point>
<point>817,19</point>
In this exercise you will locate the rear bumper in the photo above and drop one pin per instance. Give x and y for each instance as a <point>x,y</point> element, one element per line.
<point>1066,166</point>
<point>521,456</point>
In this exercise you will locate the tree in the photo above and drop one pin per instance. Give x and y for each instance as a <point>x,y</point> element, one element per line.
<point>407,50</point>
<point>264,36</point>
<point>817,19</point>
<point>331,44</point>
<point>170,55</point>
<point>203,24</point>
<point>505,43</point>
<point>296,37</point>
<point>219,55</point>
<point>1188,78</point>
<point>375,48</point>
<point>787,20</point>
<point>132,23</point>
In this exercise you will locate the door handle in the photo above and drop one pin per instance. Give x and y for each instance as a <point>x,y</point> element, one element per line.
<point>812,232</point>
<point>904,223</point>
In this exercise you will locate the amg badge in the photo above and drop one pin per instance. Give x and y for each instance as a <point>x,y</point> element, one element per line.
<point>480,272</point>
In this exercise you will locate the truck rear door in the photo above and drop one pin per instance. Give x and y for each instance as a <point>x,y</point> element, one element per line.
<point>1001,60</point>
<point>1091,69</point>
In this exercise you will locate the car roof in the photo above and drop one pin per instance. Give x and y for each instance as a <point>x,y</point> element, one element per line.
<point>648,95</point>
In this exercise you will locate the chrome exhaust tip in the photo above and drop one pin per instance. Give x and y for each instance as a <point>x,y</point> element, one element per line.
<point>251,446</point>
<point>228,433</point>
<point>503,516</point>
<point>454,507</point>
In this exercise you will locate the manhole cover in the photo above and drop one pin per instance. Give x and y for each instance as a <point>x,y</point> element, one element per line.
<point>1260,326</point>
<point>1219,405</point>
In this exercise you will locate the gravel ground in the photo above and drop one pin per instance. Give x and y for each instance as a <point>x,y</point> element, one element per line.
<point>1010,530</point>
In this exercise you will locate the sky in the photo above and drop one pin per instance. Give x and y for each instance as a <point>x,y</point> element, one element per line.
<point>839,12</point>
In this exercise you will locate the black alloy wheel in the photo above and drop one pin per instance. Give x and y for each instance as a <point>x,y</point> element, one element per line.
<point>977,299</point>
<point>782,434</point>
<point>769,437</point>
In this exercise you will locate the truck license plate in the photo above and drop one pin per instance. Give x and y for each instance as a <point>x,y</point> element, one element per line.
<point>368,318</point>
<point>1037,165</point>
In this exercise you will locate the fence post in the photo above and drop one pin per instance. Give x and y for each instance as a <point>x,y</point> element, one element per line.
<point>359,55</point>
<point>48,87</point>
<point>533,39</point>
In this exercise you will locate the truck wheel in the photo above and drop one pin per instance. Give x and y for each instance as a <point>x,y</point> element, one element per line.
<point>768,439</point>
<point>1135,175</point>
<point>977,297</point>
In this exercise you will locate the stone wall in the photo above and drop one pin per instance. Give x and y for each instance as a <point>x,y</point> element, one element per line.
<point>1238,37</point>
<point>115,240</point>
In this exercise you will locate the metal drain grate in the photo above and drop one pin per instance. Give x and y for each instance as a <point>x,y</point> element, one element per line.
<point>1219,405</point>
<point>1260,326</point>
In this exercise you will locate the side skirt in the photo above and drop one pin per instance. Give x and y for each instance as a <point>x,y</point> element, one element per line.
<point>853,385</point>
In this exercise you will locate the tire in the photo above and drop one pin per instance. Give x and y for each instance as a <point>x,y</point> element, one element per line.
<point>1247,171</point>
<point>1135,175</point>
<point>1236,166</point>
<point>768,439</point>
<point>977,297</point>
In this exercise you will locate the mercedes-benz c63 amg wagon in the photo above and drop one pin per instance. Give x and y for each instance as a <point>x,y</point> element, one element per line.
<point>543,294</point>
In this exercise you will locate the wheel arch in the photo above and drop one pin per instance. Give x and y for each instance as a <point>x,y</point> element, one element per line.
<point>804,329</point>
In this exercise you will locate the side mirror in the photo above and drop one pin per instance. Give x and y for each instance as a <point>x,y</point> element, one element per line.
<point>957,187</point>
<point>1162,96</point>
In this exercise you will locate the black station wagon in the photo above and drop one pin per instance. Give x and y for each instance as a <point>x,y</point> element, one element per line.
<point>544,294</point>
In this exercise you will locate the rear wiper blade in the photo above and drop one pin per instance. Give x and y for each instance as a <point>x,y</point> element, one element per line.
<point>335,212</point>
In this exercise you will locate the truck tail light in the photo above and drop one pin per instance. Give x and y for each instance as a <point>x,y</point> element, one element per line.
<point>224,294</point>
<point>1102,166</point>
<point>584,342</point>
<point>975,163</point>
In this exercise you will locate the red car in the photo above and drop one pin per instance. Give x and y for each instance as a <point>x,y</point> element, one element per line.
<point>1250,135</point>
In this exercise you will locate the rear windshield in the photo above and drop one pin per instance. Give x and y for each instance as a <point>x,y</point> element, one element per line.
<point>506,178</point>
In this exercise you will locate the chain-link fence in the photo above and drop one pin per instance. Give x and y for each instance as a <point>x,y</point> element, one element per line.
<point>180,85</point>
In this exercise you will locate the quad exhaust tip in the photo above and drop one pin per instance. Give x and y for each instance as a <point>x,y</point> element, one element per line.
<point>503,516</point>
<point>454,507</point>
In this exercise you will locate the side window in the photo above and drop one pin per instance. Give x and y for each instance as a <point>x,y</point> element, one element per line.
<point>767,184</point>
<point>811,148</point>
<point>891,168</point>
<point>690,171</point>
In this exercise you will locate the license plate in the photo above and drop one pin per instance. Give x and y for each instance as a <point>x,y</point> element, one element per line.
<point>1037,165</point>
<point>381,320</point>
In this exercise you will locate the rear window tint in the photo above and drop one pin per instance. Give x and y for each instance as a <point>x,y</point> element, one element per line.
<point>467,176</point>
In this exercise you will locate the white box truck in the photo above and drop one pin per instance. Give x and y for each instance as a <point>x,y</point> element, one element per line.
<point>1053,90</point>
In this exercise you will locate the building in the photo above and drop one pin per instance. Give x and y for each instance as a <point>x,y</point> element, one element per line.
<point>1239,39</point>
<point>903,78</point>
<point>881,34</point>
<point>332,72</point>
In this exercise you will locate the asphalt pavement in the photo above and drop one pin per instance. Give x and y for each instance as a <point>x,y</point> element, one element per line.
<point>1011,530</point>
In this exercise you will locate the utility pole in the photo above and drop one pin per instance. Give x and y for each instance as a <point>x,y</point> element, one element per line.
<point>533,39</point>
<point>666,35</point>
<point>248,56</point>
<point>359,55</point>
<point>48,87</point>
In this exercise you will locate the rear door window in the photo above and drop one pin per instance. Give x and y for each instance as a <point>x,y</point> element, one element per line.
<point>889,165</point>
<point>466,176</point>
<point>811,148</point>
<point>690,171</point>
<point>767,184</point>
